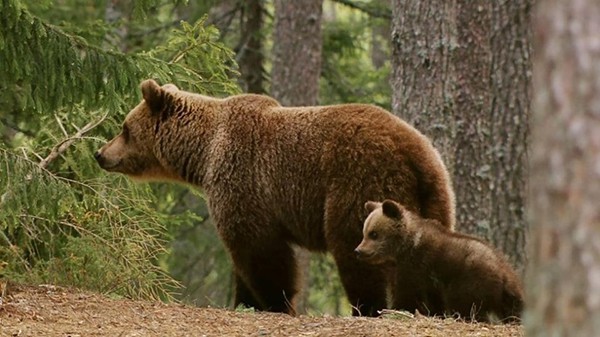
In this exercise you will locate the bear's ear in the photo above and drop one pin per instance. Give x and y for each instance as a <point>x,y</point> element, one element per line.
<point>370,206</point>
<point>391,209</point>
<point>170,87</point>
<point>153,95</point>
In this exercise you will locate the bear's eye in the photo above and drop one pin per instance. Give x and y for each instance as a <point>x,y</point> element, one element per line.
<point>373,235</point>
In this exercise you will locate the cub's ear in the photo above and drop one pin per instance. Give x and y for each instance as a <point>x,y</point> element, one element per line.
<point>391,209</point>
<point>370,206</point>
<point>153,94</point>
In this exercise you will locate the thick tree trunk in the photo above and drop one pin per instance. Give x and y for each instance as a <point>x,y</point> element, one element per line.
<point>472,98</point>
<point>563,283</point>
<point>297,52</point>
<point>423,37</point>
<point>509,120</point>
<point>461,75</point>
<point>295,79</point>
<point>250,54</point>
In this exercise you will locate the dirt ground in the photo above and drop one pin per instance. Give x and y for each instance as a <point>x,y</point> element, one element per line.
<point>54,311</point>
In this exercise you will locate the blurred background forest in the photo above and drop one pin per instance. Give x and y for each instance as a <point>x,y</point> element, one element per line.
<point>71,70</point>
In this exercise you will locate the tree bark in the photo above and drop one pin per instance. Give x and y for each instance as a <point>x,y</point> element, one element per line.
<point>472,98</point>
<point>251,57</point>
<point>563,283</point>
<point>461,73</point>
<point>297,52</point>
<point>423,36</point>
<point>380,32</point>
<point>509,120</point>
<point>295,79</point>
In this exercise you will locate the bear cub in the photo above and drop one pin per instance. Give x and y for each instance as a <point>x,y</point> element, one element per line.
<point>456,273</point>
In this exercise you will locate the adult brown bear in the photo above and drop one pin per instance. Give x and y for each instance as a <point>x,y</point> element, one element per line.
<point>276,176</point>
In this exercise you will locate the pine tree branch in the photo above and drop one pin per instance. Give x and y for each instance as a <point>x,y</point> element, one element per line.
<point>61,147</point>
<point>56,69</point>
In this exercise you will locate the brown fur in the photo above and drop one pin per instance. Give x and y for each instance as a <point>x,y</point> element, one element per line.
<point>276,176</point>
<point>456,273</point>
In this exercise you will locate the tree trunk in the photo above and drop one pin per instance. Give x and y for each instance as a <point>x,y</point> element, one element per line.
<point>461,75</point>
<point>297,52</point>
<point>509,119</point>
<point>295,79</point>
<point>472,98</point>
<point>563,287</point>
<point>113,13</point>
<point>423,36</point>
<point>250,54</point>
<point>380,32</point>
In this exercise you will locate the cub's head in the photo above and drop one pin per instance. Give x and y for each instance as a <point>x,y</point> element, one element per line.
<point>132,152</point>
<point>382,232</point>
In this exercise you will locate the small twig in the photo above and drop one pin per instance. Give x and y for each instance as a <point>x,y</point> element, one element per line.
<point>61,147</point>
<point>396,314</point>
<point>61,126</point>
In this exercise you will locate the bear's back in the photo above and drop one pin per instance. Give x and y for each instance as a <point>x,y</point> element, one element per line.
<point>462,254</point>
<point>299,163</point>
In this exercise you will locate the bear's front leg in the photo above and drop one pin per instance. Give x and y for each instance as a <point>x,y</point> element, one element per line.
<point>244,295</point>
<point>267,273</point>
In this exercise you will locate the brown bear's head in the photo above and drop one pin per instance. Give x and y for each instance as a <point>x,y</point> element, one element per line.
<point>382,232</point>
<point>132,151</point>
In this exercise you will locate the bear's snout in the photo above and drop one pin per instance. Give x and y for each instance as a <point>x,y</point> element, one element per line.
<point>102,161</point>
<point>357,252</point>
<point>362,254</point>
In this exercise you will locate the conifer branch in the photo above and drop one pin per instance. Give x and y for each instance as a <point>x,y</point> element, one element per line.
<point>50,68</point>
<point>61,147</point>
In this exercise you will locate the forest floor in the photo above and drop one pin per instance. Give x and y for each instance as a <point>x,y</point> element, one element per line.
<point>54,311</point>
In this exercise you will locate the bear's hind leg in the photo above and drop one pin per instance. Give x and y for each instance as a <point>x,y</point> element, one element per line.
<point>268,276</point>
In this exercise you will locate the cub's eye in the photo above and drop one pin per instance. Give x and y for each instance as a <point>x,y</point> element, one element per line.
<point>373,235</point>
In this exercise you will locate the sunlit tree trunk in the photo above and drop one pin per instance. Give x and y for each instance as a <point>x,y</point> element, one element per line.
<point>563,282</point>
<point>295,78</point>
